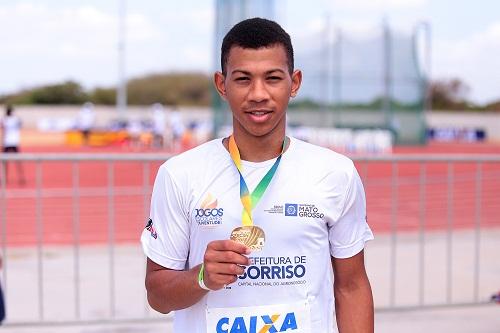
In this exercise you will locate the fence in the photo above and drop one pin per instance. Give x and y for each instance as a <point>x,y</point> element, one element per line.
<point>372,80</point>
<point>70,234</point>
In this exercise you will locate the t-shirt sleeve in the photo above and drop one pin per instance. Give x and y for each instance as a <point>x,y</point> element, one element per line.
<point>350,231</point>
<point>165,240</point>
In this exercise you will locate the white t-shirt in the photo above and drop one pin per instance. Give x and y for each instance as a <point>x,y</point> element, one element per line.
<point>86,118</point>
<point>314,208</point>
<point>11,126</point>
<point>159,119</point>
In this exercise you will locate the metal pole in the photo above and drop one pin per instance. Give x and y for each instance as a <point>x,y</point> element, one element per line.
<point>39,238</point>
<point>325,68</point>
<point>3,223</point>
<point>426,73</point>
<point>423,181</point>
<point>111,237</point>
<point>338,76</point>
<point>76,236</point>
<point>449,235</point>
<point>394,238</point>
<point>221,12</point>
<point>243,10</point>
<point>477,230</point>
<point>121,100</point>
<point>146,196</point>
<point>387,61</point>
<point>271,9</point>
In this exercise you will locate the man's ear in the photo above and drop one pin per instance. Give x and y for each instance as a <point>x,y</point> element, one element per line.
<point>296,82</point>
<point>219,79</point>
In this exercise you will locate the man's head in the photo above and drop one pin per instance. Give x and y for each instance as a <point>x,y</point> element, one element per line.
<point>256,33</point>
<point>258,78</point>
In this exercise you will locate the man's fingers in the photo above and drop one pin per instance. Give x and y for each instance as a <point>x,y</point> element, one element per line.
<point>226,269</point>
<point>223,262</point>
<point>218,281</point>
<point>228,245</point>
<point>225,257</point>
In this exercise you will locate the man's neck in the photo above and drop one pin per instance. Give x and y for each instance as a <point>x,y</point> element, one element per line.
<point>258,149</point>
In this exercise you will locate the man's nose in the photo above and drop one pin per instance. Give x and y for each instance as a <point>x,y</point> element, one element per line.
<point>258,92</point>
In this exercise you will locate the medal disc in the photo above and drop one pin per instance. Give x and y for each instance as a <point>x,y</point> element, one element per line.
<point>251,236</point>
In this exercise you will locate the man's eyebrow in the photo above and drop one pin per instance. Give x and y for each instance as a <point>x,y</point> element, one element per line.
<point>275,70</point>
<point>240,71</point>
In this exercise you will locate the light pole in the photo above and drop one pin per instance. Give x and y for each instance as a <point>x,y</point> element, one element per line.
<point>121,97</point>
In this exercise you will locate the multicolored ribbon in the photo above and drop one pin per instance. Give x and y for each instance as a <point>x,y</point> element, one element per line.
<point>250,200</point>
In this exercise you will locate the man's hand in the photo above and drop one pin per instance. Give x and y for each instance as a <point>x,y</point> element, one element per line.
<point>223,260</point>
<point>170,290</point>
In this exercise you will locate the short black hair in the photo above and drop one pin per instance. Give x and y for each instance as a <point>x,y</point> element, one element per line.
<point>256,33</point>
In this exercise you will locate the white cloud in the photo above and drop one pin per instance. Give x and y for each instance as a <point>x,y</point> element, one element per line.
<point>473,58</point>
<point>45,43</point>
<point>377,4</point>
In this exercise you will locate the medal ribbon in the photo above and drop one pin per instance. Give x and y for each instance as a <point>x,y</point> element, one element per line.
<point>250,200</point>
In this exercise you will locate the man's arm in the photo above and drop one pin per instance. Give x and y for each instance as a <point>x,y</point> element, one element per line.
<point>353,295</point>
<point>170,290</point>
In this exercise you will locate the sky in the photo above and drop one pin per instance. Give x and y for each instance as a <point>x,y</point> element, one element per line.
<point>48,41</point>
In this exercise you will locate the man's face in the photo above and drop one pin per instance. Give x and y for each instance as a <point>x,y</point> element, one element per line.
<point>257,87</point>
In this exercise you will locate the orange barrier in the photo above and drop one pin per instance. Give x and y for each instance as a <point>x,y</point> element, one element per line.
<point>96,138</point>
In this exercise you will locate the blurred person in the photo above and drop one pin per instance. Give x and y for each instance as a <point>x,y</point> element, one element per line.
<point>177,129</point>
<point>159,125</point>
<point>11,129</point>
<point>134,131</point>
<point>85,121</point>
<point>2,303</point>
<point>496,298</point>
<point>227,259</point>
<point>188,139</point>
<point>146,139</point>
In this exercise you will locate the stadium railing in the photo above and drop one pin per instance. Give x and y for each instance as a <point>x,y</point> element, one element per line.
<point>437,234</point>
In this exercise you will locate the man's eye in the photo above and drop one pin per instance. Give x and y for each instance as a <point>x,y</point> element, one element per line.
<point>274,78</point>
<point>243,78</point>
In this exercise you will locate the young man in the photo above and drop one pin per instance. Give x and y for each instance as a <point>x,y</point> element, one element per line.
<point>85,121</point>
<point>245,231</point>
<point>11,137</point>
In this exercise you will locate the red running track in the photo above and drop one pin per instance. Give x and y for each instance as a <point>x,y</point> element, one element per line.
<point>64,216</point>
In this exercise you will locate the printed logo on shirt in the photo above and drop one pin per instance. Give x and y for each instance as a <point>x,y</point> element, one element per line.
<point>272,318</point>
<point>149,227</point>
<point>208,215</point>
<point>275,209</point>
<point>291,209</point>
<point>274,272</point>
<point>258,324</point>
<point>303,210</point>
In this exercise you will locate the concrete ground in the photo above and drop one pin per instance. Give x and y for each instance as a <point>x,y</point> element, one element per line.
<point>108,282</point>
<point>477,319</point>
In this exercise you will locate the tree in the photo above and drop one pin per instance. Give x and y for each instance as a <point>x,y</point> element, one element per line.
<point>494,106</point>
<point>171,88</point>
<point>449,94</point>
<point>68,92</point>
<point>106,96</point>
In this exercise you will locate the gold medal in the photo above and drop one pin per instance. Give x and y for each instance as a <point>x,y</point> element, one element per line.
<point>251,236</point>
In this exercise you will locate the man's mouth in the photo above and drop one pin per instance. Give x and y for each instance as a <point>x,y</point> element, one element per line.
<point>259,115</point>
